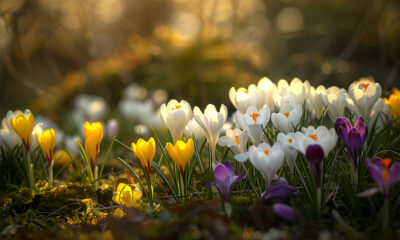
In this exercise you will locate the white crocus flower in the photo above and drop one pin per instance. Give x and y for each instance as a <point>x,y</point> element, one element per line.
<point>299,90</point>
<point>288,141</point>
<point>336,99</point>
<point>235,139</point>
<point>321,135</point>
<point>243,98</point>
<point>211,122</point>
<point>379,115</point>
<point>287,119</point>
<point>315,102</point>
<point>267,159</point>
<point>268,88</point>
<point>193,128</point>
<point>365,93</point>
<point>175,116</point>
<point>254,122</point>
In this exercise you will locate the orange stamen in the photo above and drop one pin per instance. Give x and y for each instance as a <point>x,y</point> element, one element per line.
<point>386,162</point>
<point>290,140</point>
<point>365,86</point>
<point>254,116</point>
<point>266,151</point>
<point>246,91</point>
<point>287,114</point>
<point>313,136</point>
<point>177,106</point>
<point>237,140</point>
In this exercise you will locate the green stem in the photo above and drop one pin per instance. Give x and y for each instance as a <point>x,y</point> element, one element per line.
<point>30,169</point>
<point>319,203</point>
<point>385,217</point>
<point>51,174</point>
<point>96,173</point>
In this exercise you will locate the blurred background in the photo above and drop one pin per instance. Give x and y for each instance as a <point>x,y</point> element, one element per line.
<point>52,52</point>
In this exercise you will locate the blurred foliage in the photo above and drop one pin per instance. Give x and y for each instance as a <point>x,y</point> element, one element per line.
<point>51,52</point>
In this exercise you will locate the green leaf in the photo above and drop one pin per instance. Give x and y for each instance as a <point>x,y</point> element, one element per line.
<point>165,179</point>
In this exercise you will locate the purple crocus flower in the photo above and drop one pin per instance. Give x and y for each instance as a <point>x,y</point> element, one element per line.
<point>352,137</point>
<point>286,212</point>
<point>280,192</point>
<point>315,156</point>
<point>225,178</point>
<point>384,176</point>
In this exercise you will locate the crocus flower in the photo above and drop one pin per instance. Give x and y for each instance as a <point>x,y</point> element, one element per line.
<point>287,119</point>
<point>280,192</point>
<point>386,177</point>
<point>244,98</point>
<point>47,141</point>
<point>378,117</point>
<point>269,88</point>
<point>286,212</point>
<point>365,93</point>
<point>175,116</point>
<point>235,139</point>
<point>254,121</point>
<point>288,140</point>
<point>144,150</point>
<point>128,196</point>
<point>211,122</point>
<point>315,102</point>
<point>315,156</point>
<point>336,100</point>
<point>181,153</point>
<point>394,102</point>
<point>224,179</point>
<point>297,89</point>
<point>112,129</point>
<point>23,125</point>
<point>193,128</point>
<point>321,135</point>
<point>352,137</point>
<point>93,136</point>
<point>267,159</point>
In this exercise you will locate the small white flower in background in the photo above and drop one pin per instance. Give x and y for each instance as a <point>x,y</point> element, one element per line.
<point>254,121</point>
<point>336,99</point>
<point>90,107</point>
<point>315,102</point>
<point>142,130</point>
<point>267,159</point>
<point>175,116</point>
<point>159,96</point>
<point>244,98</point>
<point>287,119</point>
<point>112,129</point>
<point>71,146</point>
<point>235,139</point>
<point>269,88</point>
<point>211,122</point>
<point>379,115</point>
<point>288,141</point>
<point>299,90</point>
<point>365,93</point>
<point>134,92</point>
<point>140,111</point>
<point>8,138</point>
<point>321,135</point>
<point>193,128</point>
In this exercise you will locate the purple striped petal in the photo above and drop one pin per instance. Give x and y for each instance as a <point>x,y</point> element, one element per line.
<point>286,212</point>
<point>342,122</point>
<point>360,125</point>
<point>315,156</point>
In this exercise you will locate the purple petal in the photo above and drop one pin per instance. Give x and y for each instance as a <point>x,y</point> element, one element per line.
<point>394,174</point>
<point>315,155</point>
<point>221,173</point>
<point>354,143</point>
<point>376,172</point>
<point>238,178</point>
<point>360,125</point>
<point>229,168</point>
<point>286,212</point>
<point>342,122</point>
<point>368,192</point>
<point>278,192</point>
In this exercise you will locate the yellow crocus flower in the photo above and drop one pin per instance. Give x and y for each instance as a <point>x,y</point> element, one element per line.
<point>23,127</point>
<point>144,150</point>
<point>47,141</point>
<point>93,136</point>
<point>394,102</point>
<point>127,196</point>
<point>181,153</point>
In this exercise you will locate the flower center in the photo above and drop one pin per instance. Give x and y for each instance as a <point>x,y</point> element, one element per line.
<point>266,151</point>
<point>176,107</point>
<point>254,116</point>
<point>365,86</point>
<point>246,91</point>
<point>287,114</point>
<point>386,162</point>
<point>237,140</point>
<point>313,136</point>
<point>290,140</point>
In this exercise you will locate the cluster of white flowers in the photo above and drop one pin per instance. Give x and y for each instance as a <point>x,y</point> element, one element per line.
<point>278,106</point>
